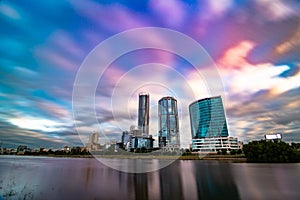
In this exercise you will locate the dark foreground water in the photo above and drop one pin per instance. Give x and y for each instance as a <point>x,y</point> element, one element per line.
<point>75,178</point>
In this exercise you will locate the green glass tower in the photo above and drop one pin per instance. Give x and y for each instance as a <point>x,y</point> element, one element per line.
<point>207,118</point>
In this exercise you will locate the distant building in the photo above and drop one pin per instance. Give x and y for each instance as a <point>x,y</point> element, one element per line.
<point>126,140</point>
<point>135,131</point>
<point>94,137</point>
<point>92,144</point>
<point>141,142</point>
<point>273,137</point>
<point>133,139</point>
<point>143,113</point>
<point>207,118</point>
<point>240,144</point>
<point>127,136</point>
<point>168,122</point>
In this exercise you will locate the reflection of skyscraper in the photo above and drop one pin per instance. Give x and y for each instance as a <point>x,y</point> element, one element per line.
<point>168,122</point>
<point>143,113</point>
<point>172,187</point>
<point>208,118</point>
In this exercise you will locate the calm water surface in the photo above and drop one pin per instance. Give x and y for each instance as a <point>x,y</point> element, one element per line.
<point>82,178</point>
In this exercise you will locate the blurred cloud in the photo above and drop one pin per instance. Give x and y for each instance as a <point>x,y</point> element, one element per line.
<point>236,56</point>
<point>36,124</point>
<point>290,43</point>
<point>219,8</point>
<point>171,12</point>
<point>44,43</point>
<point>251,78</point>
<point>275,10</point>
<point>8,11</point>
<point>114,17</point>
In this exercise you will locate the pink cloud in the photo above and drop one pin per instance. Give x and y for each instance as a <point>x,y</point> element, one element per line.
<point>243,78</point>
<point>112,75</point>
<point>55,110</point>
<point>236,57</point>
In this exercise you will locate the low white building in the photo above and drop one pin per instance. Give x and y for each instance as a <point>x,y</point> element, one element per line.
<point>214,144</point>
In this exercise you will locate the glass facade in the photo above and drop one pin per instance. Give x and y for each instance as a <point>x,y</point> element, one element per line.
<point>207,118</point>
<point>143,113</point>
<point>168,122</point>
<point>138,142</point>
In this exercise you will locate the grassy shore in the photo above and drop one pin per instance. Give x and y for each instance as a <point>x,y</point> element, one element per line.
<point>231,158</point>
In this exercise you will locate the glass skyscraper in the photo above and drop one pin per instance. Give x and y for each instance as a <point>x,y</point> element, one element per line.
<point>207,118</point>
<point>143,113</point>
<point>168,122</point>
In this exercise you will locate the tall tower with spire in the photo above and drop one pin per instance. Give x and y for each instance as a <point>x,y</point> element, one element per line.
<point>143,113</point>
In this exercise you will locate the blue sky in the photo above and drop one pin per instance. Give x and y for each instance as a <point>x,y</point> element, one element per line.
<point>255,46</point>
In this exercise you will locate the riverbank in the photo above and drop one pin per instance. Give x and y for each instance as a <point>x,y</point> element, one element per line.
<point>229,158</point>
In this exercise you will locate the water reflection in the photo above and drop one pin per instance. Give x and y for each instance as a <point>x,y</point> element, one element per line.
<point>214,180</point>
<point>170,181</point>
<point>135,165</point>
<point>274,181</point>
<point>62,178</point>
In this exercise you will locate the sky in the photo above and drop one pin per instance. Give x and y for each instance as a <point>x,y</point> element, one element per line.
<point>253,48</point>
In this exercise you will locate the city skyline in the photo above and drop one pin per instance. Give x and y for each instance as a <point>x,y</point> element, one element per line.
<point>254,45</point>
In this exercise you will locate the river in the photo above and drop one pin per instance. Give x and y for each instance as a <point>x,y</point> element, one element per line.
<point>86,178</point>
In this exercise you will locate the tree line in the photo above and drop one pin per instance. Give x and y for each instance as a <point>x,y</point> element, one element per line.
<point>272,151</point>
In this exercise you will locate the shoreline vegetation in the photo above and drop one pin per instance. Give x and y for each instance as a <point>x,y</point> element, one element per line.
<point>231,158</point>
<point>269,151</point>
<point>262,151</point>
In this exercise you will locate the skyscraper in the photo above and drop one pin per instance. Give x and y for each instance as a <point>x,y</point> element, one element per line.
<point>93,142</point>
<point>207,118</point>
<point>143,113</point>
<point>168,122</point>
<point>94,137</point>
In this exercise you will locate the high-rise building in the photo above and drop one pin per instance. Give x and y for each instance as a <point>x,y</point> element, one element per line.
<point>168,122</point>
<point>143,113</point>
<point>207,118</point>
<point>93,144</point>
<point>94,137</point>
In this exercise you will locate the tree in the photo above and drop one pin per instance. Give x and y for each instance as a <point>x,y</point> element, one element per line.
<point>233,152</point>
<point>224,151</point>
<point>50,151</point>
<point>271,151</point>
<point>239,151</point>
